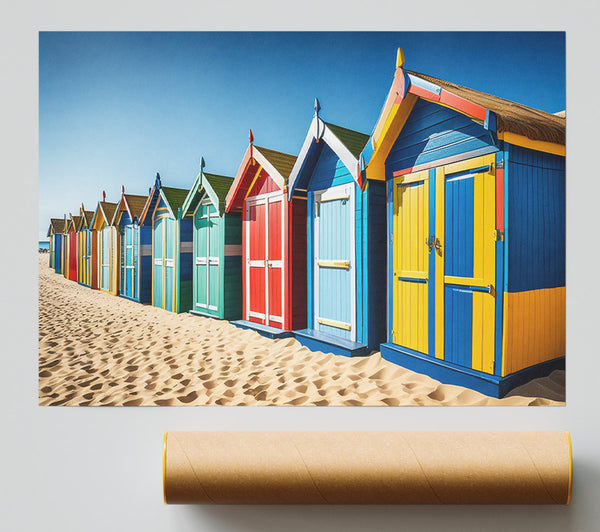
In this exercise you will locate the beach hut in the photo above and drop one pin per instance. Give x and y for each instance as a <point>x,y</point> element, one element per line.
<point>345,244</point>
<point>87,264</point>
<point>73,223</point>
<point>171,247</point>
<point>217,255</point>
<point>135,244</point>
<point>476,233</point>
<point>108,246</point>
<point>55,231</point>
<point>273,243</point>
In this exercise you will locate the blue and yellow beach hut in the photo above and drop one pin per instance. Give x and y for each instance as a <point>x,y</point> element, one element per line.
<point>476,233</point>
<point>135,246</point>
<point>172,242</point>
<point>345,243</point>
<point>86,250</point>
<point>217,257</point>
<point>108,246</point>
<point>55,234</point>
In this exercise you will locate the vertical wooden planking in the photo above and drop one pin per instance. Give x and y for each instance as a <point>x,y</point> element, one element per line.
<point>440,295</point>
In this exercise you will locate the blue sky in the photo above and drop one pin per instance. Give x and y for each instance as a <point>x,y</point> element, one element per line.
<point>115,108</point>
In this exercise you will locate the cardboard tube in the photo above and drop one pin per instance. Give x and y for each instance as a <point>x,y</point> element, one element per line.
<point>367,467</point>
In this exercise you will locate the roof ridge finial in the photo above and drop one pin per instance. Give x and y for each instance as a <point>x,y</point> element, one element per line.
<point>123,189</point>
<point>251,138</point>
<point>317,107</point>
<point>104,195</point>
<point>400,58</point>
<point>202,163</point>
<point>158,182</point>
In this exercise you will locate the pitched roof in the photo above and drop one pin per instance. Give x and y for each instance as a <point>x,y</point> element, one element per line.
<point>75,220</point>
<point>136,204</point>
<point>57,225</point>
<point>175,197</point>
<point>283,162</point>
<point>87,217</point>
<point>220,184</point>
<point>512,117</point>
<point>109,210</point>
<point>353,140</point>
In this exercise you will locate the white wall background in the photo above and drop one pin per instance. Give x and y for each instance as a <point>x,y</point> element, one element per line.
<point>96,469</point>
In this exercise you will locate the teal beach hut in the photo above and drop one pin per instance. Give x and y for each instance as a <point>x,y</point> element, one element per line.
<point>171,247</point>
<point>135,248</point>
<point>217,245</point>
<point>345,242</point>
<point>55,234</point>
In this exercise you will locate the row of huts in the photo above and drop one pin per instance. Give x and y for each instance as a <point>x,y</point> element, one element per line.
<point>439,238</point>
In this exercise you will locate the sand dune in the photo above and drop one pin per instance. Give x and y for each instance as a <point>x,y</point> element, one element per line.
<point>97,349</point>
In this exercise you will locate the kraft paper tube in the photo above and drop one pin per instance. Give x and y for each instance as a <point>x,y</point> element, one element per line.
<point>367,467</point>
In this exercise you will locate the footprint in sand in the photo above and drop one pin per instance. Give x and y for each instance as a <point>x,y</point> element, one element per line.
<point>192,396</point>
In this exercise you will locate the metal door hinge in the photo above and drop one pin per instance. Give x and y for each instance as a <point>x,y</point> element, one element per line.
<point>492,290</point>
<point>499,235</point>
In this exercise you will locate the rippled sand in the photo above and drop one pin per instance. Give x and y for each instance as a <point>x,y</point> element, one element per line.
<point>98,349</point>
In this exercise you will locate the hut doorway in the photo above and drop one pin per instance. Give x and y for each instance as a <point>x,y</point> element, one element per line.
<point>264,265</point>
<point>164,262</point>
<point>333,267</point>
<point>129,260</point>
<point>207,271</point>
<point>444,262</point>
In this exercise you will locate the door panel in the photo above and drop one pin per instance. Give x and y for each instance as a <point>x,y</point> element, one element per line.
<point>256,255</point>
<point>461,247</point>
<point>465,206</point>
<point>158,276</point>
<point>410,326</point>
<point>207,265</point>
<point>105,260</point>
<point>169,263</point>
<point>334,268</point>
<point>275,261</point>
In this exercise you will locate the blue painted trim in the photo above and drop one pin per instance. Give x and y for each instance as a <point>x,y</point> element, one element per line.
<point>264,330</point>
<point>449,373</point>
<point>490,121</point>
<point>390,259</point>
<point>362,306</point>
<point>506,220</point>
<point>419,82</point>
<point>499,317</point>
<point>431,288</point>
<point>310,287</point>
<point>328,343</point>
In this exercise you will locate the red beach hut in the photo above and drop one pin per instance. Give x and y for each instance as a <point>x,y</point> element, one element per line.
<point>273,243</point>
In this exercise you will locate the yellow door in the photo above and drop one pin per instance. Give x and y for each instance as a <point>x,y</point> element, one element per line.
<point>465,264</point>
<point>411,261</point>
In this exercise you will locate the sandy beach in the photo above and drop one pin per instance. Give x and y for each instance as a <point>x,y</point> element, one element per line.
<point>97,349</point>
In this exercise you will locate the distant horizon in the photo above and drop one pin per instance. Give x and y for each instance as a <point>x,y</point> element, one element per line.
<point>115,108</point>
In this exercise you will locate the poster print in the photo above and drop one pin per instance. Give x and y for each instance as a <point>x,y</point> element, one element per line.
<point>302,219</point>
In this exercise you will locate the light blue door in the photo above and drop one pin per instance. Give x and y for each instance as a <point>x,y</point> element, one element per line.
<point>105,259</point>
<point>129,237</point>
<point>334,264</point>
<point>158,273</point>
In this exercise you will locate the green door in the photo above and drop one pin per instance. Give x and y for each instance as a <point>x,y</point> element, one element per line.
<point>207,245</point>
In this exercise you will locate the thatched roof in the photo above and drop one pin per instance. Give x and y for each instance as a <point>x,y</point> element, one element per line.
<point>511,117</point>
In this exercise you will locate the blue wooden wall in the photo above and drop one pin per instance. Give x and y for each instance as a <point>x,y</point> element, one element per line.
<point>535,221</point>
<point>433,132</point>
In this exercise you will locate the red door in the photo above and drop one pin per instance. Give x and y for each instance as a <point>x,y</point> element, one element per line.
<point>264,259</point>
<point>73,256</point>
